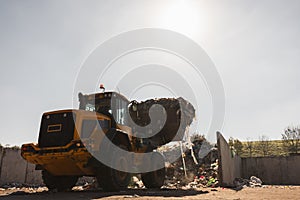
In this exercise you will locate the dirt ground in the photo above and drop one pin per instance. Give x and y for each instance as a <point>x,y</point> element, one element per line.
<point>266,192</point>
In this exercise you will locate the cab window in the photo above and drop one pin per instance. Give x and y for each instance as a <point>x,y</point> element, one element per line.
<point>120,111</point>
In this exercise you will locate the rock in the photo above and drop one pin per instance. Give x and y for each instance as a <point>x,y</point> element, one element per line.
<point>255,180</point>
<point>41,189</point>
<point>137,183</point>
<point>239,183</point>
<point>135,179</point>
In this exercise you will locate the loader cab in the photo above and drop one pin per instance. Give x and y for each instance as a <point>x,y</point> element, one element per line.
<point>111,104</point>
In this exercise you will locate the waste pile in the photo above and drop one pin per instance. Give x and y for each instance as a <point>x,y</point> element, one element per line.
<point>202,172</point>
<point>192,170</point>
<point>197,167</point>
<point>164,118</point>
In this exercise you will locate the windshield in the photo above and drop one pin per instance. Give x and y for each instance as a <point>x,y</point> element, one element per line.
<point>107,104</point>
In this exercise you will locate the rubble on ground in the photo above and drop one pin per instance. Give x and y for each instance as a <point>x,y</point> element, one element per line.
<point>240,183</point>
<point>19,185</point>
<point>22,190</point>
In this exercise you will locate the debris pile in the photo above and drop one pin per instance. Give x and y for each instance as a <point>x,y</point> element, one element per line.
<point>202,173</point>
<point>166,118</point>
<point>252,182</point>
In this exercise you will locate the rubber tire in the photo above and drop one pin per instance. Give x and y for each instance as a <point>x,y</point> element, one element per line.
<point>108,178</point>
<point>155,179</point>
<point>61,183</point>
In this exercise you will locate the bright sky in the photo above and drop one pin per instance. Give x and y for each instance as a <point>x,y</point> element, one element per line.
<point>254,45</point>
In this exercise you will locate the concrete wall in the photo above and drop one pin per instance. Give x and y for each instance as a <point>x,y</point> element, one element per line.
<point>14,169</point>
<point>1,158</point>
<point>273,170</point>
<point>229,164</point>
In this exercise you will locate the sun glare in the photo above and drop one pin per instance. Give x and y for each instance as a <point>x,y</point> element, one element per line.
<point>183,17</point>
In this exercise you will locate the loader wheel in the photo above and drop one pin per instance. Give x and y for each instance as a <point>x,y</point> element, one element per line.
<point>61,183</point>
<point>155,179</point>
<point>111,179</point>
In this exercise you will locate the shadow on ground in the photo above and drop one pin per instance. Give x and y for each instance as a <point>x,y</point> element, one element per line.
<point>98,194</point>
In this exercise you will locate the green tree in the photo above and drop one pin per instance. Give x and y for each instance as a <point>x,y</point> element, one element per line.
<point>230,142</point>
<point>249,147</point>
<point>291,139</point>
<point>264,145</point>
<point>235,145</point>
<point>238,146</point>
